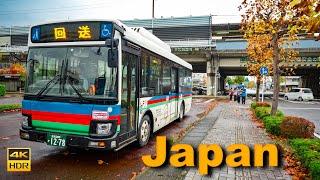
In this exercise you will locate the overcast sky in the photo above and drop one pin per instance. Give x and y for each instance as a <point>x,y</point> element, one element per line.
<point>26,12</point>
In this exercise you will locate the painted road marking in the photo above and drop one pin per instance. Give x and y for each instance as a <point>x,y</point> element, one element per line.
<point>299,108</point>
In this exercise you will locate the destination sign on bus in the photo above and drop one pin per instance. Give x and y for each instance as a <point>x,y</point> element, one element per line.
<point>71,31</point>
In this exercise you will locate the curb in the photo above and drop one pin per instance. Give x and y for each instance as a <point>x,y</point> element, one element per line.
<point>317,135</point>
<point>301,102</point>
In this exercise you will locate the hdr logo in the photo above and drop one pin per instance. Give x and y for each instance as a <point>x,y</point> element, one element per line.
<point>18,159</point>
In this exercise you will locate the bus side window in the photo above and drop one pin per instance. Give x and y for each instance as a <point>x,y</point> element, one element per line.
<point>182,79</point>
<point>145,74</point>
<point>155,77</point>
<point>166,80</point>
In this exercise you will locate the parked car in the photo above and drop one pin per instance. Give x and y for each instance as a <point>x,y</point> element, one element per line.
<point>252,93</point>
<point>299,94</point>
<point>199,90</point>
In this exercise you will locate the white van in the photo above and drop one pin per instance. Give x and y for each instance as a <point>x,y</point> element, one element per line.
<point>300,94</point>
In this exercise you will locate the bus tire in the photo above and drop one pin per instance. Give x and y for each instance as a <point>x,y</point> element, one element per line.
<point>144,131</point>
<point>181,114</point>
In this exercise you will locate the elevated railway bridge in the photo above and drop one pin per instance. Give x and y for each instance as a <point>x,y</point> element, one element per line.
<point>220,51</point>
<point>215,49</point>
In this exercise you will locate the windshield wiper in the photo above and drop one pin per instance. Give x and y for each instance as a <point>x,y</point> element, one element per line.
<point>71,79</point>
<point>57,77</point>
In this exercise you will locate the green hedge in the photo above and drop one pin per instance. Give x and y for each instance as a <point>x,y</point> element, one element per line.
<point>272,124</point>
<point>262,112</point>
<point>254,105</point>
<point>2,90</point>
<point>7,107</point>
<point>308,151</point>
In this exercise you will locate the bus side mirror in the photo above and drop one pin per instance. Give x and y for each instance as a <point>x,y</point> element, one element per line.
<point>113,58</point>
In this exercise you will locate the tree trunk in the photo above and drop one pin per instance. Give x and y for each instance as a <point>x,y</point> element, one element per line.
<point>276,74</point>
<point>258,88</point>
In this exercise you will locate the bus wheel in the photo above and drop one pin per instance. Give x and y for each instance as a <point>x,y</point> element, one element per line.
<point>181,114</point>
<point>144,131</point>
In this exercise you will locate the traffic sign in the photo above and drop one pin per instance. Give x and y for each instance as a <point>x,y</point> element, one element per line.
<point>264,70</point>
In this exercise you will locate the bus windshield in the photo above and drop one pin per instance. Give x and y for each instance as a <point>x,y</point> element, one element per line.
<point>72,72</point>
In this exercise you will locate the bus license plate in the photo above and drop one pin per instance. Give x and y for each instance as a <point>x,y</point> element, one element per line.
<point>56,140</point>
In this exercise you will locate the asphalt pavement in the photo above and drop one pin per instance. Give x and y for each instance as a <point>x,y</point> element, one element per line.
<point>307,110</point>
<point>61,163</point>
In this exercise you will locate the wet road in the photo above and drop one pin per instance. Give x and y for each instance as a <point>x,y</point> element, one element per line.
<point>60,163</point>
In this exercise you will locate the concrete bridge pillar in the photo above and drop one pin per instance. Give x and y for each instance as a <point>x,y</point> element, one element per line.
<point>312,81</point>
<point>221,83</point>
<point>212,69</point>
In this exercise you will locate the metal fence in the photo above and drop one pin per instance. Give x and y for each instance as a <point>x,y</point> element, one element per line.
<point>14,30</point>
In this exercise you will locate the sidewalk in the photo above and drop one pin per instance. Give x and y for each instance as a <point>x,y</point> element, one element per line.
<point>228,123</point>
<point>234,126</point>
<point>10,100</point>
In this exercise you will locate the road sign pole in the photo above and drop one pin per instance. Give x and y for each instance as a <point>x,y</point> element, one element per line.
<point>263,71</point>
<point>262,88</point>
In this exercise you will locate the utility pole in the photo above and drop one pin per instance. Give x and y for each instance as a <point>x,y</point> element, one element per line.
<point>152,16</point>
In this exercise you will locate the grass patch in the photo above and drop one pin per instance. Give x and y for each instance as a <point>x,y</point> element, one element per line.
<point>8,107</point>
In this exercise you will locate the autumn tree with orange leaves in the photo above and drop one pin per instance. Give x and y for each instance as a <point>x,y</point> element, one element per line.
<point>260,54</point>
<point>277,20</point>
<point>308,12</point>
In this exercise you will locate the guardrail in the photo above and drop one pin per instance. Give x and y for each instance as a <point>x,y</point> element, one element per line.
<point>14,49</point>
<point>191,43</point>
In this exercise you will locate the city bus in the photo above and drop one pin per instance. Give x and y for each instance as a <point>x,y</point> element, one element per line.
<point>100,84</point>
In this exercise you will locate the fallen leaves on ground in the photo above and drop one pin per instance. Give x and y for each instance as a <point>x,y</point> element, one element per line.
<point>291,164</point>
<point>100,162</point>
<point>294,167</point>
<point>256,121</point>
<point>12,110</point>
<point>134,175</point>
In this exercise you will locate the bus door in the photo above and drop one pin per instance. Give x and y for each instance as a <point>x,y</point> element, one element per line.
<point>129,93</point>
<point>174,96</point>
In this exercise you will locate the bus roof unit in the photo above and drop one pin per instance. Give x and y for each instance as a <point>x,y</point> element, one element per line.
<point>151,45</point>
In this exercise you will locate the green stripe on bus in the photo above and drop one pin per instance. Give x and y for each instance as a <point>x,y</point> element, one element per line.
<point>62,132</point>
<point>56,126</point>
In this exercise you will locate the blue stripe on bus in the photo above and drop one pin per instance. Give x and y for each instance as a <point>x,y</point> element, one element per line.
<point>172,94</point>
<point>71,108</point>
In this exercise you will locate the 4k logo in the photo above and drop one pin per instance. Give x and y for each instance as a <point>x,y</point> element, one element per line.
<point>18,159</point>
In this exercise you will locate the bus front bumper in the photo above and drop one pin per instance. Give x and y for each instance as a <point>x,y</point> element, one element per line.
<point>84,142</point>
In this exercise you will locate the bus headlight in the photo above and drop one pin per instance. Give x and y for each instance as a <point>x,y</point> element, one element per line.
<point>103,128</point>
<point>25,121</point>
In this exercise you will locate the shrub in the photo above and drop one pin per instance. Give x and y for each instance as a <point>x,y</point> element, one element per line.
<point>2,90</point>
<point>263,104</point>
<point>259,104</point>
<point>7,107</point>
<point>261,112</point>
<point>308,151</point>
<point>296,127</point>
<point>253,105</point>
<point>272,124</point>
